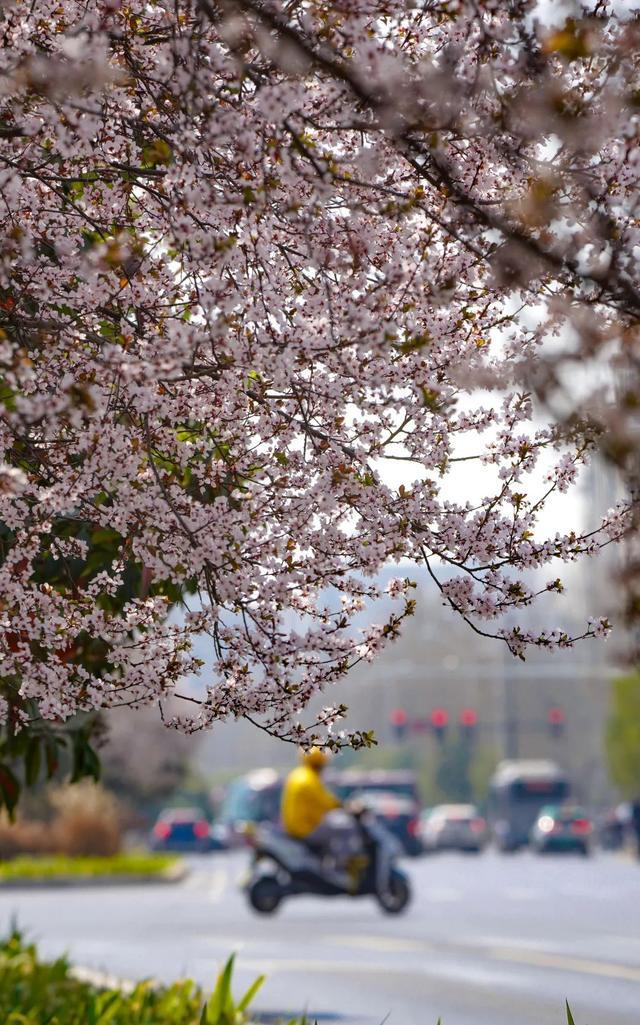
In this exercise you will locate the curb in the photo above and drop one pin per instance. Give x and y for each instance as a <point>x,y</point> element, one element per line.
<point>174,874</point>
<point>103,980</point>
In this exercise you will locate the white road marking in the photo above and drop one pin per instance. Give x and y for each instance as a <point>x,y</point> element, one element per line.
<point>582,965</point>
<point>322,967</point>
<point>218,883</point>
<point>387,944</point>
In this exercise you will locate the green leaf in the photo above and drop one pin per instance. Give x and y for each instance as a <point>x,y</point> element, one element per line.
<point>9,789</point>
<point>570,1020</point>
<point>32,761</point>
<point>250,994</point>
<point>85,761</point>
<point>52,759</point>
<point>220,999</point>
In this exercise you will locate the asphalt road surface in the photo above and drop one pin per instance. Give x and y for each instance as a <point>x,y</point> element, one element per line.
<point>489,940</point>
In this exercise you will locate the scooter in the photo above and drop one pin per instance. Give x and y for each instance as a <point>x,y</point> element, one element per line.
<point>283,867</point>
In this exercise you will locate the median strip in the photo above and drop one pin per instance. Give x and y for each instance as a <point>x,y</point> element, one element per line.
<point>117,870</point>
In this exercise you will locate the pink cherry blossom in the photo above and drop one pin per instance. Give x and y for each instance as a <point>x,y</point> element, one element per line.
<point>257,261</point>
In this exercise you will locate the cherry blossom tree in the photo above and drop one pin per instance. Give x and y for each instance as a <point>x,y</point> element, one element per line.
<point>271,274</point>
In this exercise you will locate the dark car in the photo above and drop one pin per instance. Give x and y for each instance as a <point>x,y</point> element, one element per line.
<point>398,813</point>
<point>562,828</point>
<point>181,829</point>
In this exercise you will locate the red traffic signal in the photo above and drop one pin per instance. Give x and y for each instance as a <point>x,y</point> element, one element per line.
<point>399,722</point>
<point>468,718</point>
<point>439,718</point>
<point>556,716</point>
<point>399,717</point>
<point>556,720</point>
<point>439,722</point>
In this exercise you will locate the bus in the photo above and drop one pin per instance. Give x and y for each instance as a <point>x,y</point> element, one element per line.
<point>518,792</point>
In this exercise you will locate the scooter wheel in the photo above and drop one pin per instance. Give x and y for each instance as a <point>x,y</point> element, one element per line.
<point>397,896</point>
<point>265,895</point>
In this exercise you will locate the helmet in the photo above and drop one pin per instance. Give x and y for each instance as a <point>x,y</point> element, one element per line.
<point>315,758</point>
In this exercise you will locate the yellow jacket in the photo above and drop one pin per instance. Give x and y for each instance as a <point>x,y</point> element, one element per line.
<point>305,801</point>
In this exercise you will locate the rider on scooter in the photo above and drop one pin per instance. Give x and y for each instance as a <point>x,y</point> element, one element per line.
<point>362,865</point>
<point>306,801</point>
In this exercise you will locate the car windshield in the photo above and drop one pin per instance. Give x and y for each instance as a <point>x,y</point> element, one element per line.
<point>348,784</point>
<point>247,803</point>
<point>385,802</point>
<point>180,815</point>
<point>455,812</point>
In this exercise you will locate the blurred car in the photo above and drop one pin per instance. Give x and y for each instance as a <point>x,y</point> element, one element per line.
<point>562,828</point>
<point>453,827</point>
<point>249,801</point>
<point>182,829</point>
<point>397,812</point>
<point>346,782</point>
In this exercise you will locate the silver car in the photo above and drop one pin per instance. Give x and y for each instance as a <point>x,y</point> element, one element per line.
<point>453,827</point>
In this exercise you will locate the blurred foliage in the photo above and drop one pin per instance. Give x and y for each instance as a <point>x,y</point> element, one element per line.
<point>33,992</point>
<point>623,735</point>
<point>222,1008</point>
<point>39,750</point>
<point>78,819</point>
<point>60,866</point>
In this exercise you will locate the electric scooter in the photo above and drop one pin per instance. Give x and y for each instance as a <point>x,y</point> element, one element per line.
<point>284,867</point>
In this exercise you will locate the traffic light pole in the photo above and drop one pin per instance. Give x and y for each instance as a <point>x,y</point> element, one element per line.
<point>510,711</point>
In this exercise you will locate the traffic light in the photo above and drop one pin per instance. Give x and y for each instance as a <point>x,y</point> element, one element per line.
<point>439,722</point>
<point>556,721</point>
<point>399,723</point>
<point>468,722</point>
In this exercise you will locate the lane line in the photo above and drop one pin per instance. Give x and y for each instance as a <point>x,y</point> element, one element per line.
<point>218,882</point>
<point>581,965</point>
<point>520,955</point>
<point>322,967</point>
<point>329,966</point>
<point>386,944</point>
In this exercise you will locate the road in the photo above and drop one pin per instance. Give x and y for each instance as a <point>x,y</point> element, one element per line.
<point>488,940</point>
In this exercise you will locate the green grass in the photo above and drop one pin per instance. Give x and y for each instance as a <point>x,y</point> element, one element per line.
<point>34,992</point>
<point>60,866</point>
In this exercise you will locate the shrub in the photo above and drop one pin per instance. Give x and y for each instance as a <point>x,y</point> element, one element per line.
<point>33,992</point>
<point>85,820</point>
<point>61,866</point>
<point>23,836</point>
